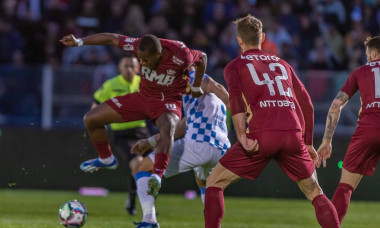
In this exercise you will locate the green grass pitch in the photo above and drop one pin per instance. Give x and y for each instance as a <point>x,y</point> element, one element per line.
<point>39,208</point>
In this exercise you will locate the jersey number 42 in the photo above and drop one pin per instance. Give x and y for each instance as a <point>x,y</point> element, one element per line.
<point>269,82</point>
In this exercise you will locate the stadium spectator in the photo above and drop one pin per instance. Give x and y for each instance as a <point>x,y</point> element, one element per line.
<point>124,135</point>
<point>363,152</point>
<point>164,70</point>
<point>133,18</point>
<point>278,34</point>
<point>205,140</point>
<point>321,57</point>
<point>255,101</point>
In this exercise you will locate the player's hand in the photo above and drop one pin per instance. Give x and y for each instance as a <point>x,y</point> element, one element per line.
<point>314,155</point>
<point>69,40</point>
<point>250,145</point>
<point>324,151</point>
<point>140,147</point>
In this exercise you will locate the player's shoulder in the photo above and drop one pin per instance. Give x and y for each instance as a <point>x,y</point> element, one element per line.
<point>172,45</point>
<point>234,64</point>
<point>361,69</point>
<point>128,43</point>
<point>112,80</point>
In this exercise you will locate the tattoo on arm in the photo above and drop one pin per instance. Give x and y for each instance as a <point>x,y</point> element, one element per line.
<point>343,97</point>
<point>334,114</point>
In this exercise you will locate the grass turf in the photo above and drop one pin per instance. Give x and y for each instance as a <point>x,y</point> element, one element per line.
<point>39,208</point>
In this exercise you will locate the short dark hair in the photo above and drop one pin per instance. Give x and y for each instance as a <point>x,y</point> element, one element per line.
<point>249,29</point>
<point>373,43</point>
<point>150,43</point>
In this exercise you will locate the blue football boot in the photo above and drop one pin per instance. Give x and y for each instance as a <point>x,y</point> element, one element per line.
<point>95,164</point>
<point>146,225</point>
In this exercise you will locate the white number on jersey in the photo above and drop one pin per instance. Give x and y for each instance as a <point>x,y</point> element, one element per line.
<point>376,72</point>
<point>269,82</point>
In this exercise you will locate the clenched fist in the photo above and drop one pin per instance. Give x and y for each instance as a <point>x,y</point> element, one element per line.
<point>70,40</point>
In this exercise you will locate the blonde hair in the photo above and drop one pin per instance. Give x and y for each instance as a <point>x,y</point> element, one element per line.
<point>373,43</point>
<point>249,29</point>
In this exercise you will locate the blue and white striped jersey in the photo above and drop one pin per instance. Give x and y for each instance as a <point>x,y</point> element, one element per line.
<point>206,119</point>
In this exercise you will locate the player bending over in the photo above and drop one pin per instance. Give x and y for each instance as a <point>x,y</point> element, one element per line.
<point>163,66</point>
<point>363,153</point>
<point>204,143</point>
<point>266,95</point>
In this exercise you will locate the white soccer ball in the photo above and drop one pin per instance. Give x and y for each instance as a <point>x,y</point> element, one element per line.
<point>73,214</point>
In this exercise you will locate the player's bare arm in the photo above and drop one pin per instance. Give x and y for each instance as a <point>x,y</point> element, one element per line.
<point>95,39</point>
<point>196,90</point>
<point>325,149</point>
<point>240,120</point>
<point>143,145</point>
<point>209,85</point>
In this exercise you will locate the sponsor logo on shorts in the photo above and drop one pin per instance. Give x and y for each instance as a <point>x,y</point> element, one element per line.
<point>129,40</point>
<point>177,60</point>
<point>116,101</point>
<point>170,107</point>
<point>128,47</point>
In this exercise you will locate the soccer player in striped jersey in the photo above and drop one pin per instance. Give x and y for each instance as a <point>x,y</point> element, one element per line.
<point>204,141</point>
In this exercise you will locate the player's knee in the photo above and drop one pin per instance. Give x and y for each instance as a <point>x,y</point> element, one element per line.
<point>134,162</point>
<point>313,192</point>
<point>136,168</point>
<point>168,127</point>
<point>142,166</point>
<point>214,180</point>
<point>89,120</point>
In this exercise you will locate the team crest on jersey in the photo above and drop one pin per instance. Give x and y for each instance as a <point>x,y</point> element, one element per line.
<point>170,72</point>
<point>170,107</point>
<point>177,61</point>
<point>129,40</point>
<point>128,47</point>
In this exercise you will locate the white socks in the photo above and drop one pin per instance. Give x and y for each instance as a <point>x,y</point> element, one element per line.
<point>146,201</point>
<point>203,192</point>
<point>108,160</point>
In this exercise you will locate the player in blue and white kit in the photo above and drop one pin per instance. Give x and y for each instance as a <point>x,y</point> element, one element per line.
<point>204,142</point>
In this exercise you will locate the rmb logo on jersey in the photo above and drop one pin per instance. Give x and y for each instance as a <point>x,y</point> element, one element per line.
<point>177,60</point>
<point>161,79</point>
<point>128,47</point>
<point>170,107</point>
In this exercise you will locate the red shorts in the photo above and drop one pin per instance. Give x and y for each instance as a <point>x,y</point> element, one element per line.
<point>363,153</point>
<point>135,106</point>
<point>287,148</point>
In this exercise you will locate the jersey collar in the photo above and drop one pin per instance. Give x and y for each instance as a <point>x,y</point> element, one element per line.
<point>254,50</point>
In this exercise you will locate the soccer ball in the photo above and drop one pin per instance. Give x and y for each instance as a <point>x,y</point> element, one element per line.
<point>73,214</point>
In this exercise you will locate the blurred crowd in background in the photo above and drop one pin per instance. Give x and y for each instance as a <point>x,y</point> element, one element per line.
<point>309,34</point>
<point>313,34</point>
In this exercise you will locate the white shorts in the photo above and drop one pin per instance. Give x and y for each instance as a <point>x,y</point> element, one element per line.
<point>191,155</point>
